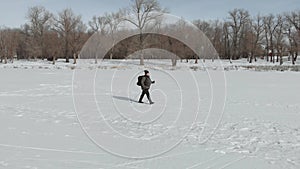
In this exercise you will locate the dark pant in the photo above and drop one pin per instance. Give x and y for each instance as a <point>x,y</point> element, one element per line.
<point>145,91</point>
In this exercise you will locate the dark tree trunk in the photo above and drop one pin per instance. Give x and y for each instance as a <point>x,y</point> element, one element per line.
<point>174,62</point>
<point>67,59</point>
<point>141,48</point>
<point>5,60</point>
<point>75,58</point>
<point>53,59</point>
<point>67,50</point>
<point>293,59</point>
<point>281,61</point>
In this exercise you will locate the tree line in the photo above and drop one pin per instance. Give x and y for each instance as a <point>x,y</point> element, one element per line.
<point>241,35</point>
<point>51,36</point>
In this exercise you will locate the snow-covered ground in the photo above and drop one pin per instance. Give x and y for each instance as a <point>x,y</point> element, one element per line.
<point>47,122</point>
<point>242,64</point>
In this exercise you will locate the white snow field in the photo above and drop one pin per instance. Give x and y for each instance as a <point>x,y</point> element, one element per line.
<point>66,116</point>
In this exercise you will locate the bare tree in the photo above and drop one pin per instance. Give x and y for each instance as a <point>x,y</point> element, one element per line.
<point>3,50</point>
<point>39,22</point>
<point>270,26</point>
<point>279,39</point>
<point>144,13</point>
<point>226,41</point>
<point>293,32</point>
<point>211,30</point>
<point>8,44</point>
<point>113,21</point>
<point>98,24</point>
<point>237,20</point>
<point>217,31</point>
<point>78,38</point>
<point>256,39</point>
<point>181,29</point>
<point>54,45</point>
<point>66,24</point>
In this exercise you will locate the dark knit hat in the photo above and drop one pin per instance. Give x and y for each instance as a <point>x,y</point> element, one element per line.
<point>146,71</point>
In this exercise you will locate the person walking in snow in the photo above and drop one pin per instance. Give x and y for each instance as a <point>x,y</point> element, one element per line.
<point>145,83</point>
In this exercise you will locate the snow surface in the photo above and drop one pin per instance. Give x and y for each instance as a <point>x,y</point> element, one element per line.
<point>39,127</point>
<point>242,64</point>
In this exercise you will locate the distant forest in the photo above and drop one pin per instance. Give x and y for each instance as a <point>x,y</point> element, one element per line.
<point>45,35</point>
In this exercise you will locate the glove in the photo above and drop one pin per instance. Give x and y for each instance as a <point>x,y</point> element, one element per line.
<point>153,81</point>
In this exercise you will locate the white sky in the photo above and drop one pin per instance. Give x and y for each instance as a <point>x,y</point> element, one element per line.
<point>13,12</point>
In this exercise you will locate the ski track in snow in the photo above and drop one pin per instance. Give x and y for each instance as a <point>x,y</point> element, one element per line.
<point>252,137</point>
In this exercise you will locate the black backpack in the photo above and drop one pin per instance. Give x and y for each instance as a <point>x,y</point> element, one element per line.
<point>139,83</point>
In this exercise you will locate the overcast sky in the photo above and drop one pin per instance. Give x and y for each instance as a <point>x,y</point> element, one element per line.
<point>13,12</point>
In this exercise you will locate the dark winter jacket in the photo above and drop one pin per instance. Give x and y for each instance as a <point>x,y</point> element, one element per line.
<point>146,82</point>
